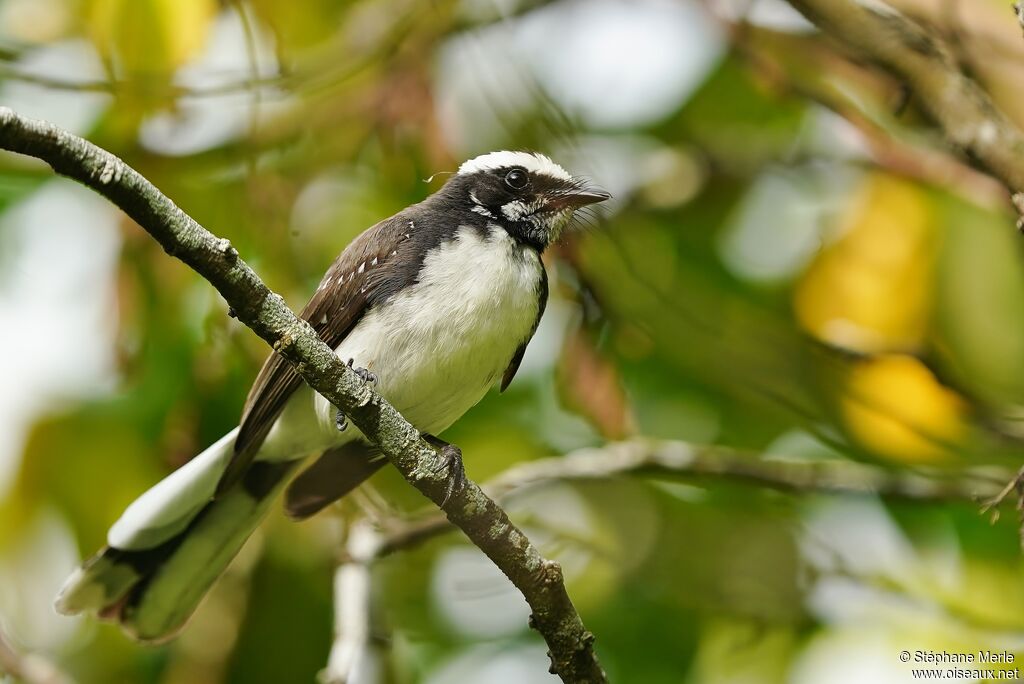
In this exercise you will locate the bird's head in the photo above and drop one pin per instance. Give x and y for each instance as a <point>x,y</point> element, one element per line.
<point>527,194</point>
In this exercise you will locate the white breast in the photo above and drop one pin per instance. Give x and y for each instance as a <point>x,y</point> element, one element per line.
<point>441,343</point>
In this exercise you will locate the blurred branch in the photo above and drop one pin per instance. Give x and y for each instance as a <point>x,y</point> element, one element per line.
<point>961,108</point>
<point>265,312</point>
<point>353,607</point>
<point>937,167</point>
<point>122,86</point>
<point>679,460</point>
<point>1018,11</point>
<point>330,69</point>
<point>28,668</point>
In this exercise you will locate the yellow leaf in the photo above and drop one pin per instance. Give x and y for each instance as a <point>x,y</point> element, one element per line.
<point>896,407</point>
<point>150,36</point>
<point>871,290</point>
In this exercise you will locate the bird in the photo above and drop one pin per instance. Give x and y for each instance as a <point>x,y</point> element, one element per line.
<point>433,306</point>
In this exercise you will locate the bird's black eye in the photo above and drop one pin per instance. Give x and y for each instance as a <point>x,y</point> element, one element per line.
<point>517,179</point>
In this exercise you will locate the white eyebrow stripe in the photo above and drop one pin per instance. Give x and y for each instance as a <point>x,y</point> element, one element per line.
<point>534,163</point>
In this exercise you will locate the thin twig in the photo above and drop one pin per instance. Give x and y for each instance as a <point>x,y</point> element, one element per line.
<point>962,109</point>
<point>679,460</point>
<point>265,312</point>
<point>938,167</point>
<point>992,504</point>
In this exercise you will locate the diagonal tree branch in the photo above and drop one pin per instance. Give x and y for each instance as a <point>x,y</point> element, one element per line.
<point>962,109</point>
<point>265,312</point>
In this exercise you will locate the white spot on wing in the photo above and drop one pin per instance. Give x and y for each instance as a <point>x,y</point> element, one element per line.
<point>362,267</point>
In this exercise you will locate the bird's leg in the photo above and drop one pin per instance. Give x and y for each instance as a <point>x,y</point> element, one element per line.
<point>450,459</point>
<point>340,421</point>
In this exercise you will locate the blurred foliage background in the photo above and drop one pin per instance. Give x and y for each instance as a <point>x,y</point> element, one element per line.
<point>794,266</point>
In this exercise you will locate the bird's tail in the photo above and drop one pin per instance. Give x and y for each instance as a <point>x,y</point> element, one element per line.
<point>172,543</point>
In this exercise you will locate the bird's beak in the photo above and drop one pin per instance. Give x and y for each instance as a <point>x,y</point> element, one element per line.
<point>578,198</point>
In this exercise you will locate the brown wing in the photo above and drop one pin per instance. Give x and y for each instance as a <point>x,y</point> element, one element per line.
<point>336,473</point>
<point>371,268</point>
<point>517,358</point>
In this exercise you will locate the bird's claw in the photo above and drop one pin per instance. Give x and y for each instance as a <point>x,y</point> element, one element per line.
<point>450,458</point>
<point>340,421</point>
<point>364,374</point>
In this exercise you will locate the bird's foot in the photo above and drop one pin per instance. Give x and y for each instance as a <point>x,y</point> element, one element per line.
<point>340,421</point>
<point>450,459</point>
<point>364,374</point>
